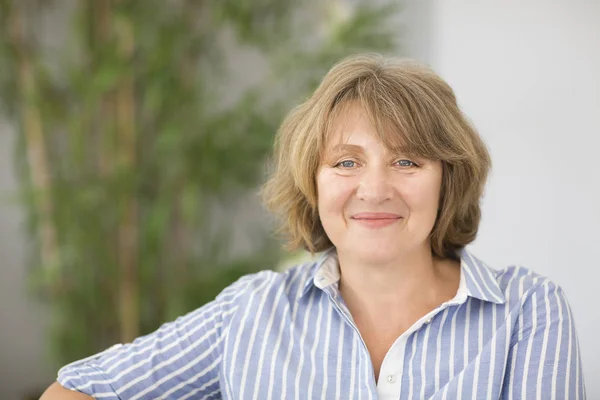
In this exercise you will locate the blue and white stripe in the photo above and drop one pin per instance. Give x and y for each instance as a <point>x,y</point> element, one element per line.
<point>506,334</point>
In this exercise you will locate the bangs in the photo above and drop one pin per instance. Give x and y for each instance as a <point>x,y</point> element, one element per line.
<point>398,116</point>
<point>412,111</point>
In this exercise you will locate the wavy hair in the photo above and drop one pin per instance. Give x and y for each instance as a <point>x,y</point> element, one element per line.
<point>412,109</point>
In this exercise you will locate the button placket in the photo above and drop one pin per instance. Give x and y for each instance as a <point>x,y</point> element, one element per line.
<point>390,373</point>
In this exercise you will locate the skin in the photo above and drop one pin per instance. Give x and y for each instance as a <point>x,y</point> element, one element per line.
<point>378,207</point>
<point>57,392</point>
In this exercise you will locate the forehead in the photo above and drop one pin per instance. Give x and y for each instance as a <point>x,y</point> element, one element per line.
<point>351,120</point>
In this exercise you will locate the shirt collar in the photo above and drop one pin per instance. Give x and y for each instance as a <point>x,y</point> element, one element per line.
<point>476,279</point>
<point>324,272</point>
<point>480,280</point>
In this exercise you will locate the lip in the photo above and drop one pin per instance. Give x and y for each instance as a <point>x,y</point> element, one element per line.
<point>376,220</point>
<point>375,215</point>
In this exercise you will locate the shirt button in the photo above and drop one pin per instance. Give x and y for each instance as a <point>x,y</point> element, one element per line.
<point>428,320</point>
<point>391,378</point>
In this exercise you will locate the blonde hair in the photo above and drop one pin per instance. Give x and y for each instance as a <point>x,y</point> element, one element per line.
<point>398,96</point>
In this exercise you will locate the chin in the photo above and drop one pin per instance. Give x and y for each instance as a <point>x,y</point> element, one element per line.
<point>374,249</point>
<point>374,253</point>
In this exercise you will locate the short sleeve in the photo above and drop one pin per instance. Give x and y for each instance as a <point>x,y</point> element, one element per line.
<point>180,360</point>
<point>544,358</point>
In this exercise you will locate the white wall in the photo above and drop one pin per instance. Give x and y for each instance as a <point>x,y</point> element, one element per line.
<point>528,76</point>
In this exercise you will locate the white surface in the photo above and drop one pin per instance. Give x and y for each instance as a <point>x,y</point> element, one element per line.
<point>528,76</point>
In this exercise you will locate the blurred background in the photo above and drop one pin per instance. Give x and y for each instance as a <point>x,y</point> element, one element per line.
<point>134,136</point>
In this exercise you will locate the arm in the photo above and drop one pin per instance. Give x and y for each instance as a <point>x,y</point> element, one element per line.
<point>544,359</point>
<point>57,392</point>
<point>181,358</point>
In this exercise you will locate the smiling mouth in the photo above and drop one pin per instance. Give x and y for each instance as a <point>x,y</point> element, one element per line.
<point>376,220</point>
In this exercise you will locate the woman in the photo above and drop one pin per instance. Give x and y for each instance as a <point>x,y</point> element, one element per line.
<point>381,173</point>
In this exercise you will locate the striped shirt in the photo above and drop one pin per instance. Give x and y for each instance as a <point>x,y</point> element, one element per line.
<point>506,334</point>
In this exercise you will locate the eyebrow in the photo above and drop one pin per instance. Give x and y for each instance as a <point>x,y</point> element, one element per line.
<point>340,148</point>
<point>344,147</point>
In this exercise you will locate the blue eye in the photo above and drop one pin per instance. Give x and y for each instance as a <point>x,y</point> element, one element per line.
<point>406,163</point>
<point>347,164</point>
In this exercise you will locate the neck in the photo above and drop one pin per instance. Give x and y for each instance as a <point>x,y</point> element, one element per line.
<point>416,277</point>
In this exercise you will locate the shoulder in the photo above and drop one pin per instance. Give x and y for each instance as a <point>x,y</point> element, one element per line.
<point>267,284</point>
<point>535,301</point>
<point>519,283</point>
<point>511,285</point>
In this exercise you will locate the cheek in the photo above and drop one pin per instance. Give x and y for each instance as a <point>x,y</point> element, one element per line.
<point>423,197</point>
<point>333,192</point>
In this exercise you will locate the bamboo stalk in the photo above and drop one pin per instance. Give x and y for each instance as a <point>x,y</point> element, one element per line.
<point>102,124</point>
<point>178,246</point>
<point>102,35</point>
<point>128,230</point>
<point>34,137</point>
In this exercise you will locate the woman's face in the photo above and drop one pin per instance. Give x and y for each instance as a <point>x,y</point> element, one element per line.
<point>375,205</point>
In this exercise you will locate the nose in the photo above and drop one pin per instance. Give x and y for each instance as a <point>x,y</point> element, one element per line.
<point>375,186</point>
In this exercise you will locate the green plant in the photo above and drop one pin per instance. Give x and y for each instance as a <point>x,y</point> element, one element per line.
<point>139,158</point>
